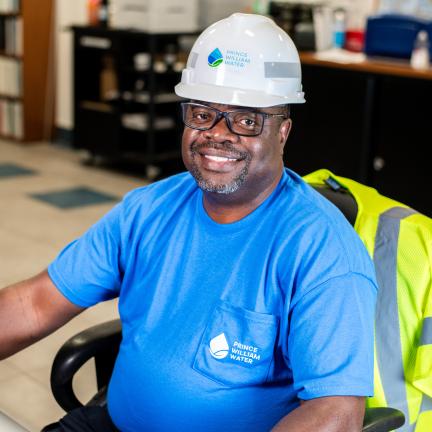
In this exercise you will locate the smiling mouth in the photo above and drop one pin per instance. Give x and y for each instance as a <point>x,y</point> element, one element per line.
<point>219,162</point>
<point>220,158</point>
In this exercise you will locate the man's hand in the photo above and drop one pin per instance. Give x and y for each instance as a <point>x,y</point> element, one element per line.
<point>326,414</point>
<point>31,310</point>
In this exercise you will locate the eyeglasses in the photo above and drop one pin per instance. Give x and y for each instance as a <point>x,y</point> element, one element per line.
<point>243,123</point>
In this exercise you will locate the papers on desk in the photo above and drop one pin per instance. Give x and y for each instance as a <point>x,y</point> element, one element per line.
<point>340,56</point>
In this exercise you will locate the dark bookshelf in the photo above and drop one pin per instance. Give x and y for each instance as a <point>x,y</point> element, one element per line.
<point>30,108</point>
<point>125,108</point>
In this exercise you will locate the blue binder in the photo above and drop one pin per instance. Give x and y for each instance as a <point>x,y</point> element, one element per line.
<point>391,35</point>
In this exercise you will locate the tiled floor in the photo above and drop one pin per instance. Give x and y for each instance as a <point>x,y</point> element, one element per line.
<point>32,232</point>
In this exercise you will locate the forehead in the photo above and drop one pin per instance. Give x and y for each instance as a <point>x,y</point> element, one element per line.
<point>223,107</point>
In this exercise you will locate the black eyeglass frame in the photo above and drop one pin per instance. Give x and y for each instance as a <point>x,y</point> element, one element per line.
<point>225,114</point>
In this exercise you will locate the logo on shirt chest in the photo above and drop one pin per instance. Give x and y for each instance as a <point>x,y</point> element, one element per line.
<point>238,352</point>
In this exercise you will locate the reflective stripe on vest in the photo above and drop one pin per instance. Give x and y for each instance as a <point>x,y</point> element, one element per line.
<point>426,336</point>
<point>388,346</point>
<point>424,421</point>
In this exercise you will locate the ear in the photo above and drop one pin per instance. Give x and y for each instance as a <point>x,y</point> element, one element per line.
<point>284,131</point>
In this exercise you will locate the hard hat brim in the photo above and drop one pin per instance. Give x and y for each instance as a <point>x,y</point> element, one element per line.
<point>234,96</point>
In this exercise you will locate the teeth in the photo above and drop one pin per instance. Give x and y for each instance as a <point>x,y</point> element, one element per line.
<point>219,158</point>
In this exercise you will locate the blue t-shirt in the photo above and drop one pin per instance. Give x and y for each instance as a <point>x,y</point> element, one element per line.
<point>226,326</point>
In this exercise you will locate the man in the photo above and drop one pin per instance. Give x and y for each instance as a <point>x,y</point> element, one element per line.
<point>246,299</point>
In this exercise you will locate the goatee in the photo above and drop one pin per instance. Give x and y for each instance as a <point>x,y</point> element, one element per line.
<point>224,188</point>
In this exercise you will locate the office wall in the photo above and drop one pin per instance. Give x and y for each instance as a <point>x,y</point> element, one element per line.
<point>68,12</point>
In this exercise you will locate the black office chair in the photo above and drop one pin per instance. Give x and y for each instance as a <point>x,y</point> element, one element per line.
<point>102,341</point>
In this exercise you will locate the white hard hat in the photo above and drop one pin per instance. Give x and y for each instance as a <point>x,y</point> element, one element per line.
<point>244,60</point>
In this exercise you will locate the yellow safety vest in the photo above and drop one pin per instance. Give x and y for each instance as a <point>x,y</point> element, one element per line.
<point>399,240</point>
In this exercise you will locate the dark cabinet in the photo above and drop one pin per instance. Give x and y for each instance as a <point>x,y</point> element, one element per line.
<point>401,165</point>
<point>368,125</point>
<point>327,129</point>
<point>124,101</point>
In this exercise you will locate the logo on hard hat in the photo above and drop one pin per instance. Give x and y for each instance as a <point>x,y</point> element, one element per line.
<point>215,58</point>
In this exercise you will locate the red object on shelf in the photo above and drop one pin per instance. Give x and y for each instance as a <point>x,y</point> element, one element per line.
<point>354,40</point>
<point>93,11</point>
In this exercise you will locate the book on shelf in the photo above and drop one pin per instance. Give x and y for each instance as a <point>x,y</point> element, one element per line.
<point>11,119</point>
<point>2,34</point>
<point>11,37</point>
<point>10,77</point>
<point>10,6</point>
<point>18,131</point>
<point>26,92</point>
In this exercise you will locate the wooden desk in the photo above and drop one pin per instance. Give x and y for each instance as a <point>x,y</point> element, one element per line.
<point>380,66</point>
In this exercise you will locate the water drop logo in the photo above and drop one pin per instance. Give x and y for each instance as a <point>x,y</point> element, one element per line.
<point>215,58</point>
<point>219,347</point>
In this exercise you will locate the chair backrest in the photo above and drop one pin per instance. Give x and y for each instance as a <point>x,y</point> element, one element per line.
<point>399,240</point>
<point>342,199</point>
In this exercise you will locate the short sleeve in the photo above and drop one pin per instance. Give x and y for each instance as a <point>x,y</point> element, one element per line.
<point>88,270</point>
<point>330,341</point>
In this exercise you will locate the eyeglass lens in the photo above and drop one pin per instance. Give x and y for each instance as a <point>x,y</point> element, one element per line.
<point>240,122</point>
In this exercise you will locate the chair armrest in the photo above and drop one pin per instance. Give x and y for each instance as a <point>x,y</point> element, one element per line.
<point>382,419</point>
<point>100,342</point>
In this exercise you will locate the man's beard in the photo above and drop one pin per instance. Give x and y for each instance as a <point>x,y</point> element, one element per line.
<point>224,188</point>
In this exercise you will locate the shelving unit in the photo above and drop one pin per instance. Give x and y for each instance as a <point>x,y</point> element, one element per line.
<point>26,78</point>
<point>125,104</point>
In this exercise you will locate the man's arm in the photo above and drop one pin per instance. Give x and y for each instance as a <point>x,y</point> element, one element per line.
<point>31,310</point>
<point>326,414</point>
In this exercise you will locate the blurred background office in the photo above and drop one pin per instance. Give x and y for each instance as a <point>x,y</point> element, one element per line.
<point>87,112</point>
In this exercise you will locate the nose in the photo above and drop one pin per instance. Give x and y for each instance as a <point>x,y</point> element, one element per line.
<point>220,132</point>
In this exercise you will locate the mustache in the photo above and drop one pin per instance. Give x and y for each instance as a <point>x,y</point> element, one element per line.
<point>226,147</point>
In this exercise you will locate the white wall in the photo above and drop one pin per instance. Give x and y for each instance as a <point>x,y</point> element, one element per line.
<point>68,12</point>
<point>214,10</point>
<point>421,8</point>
